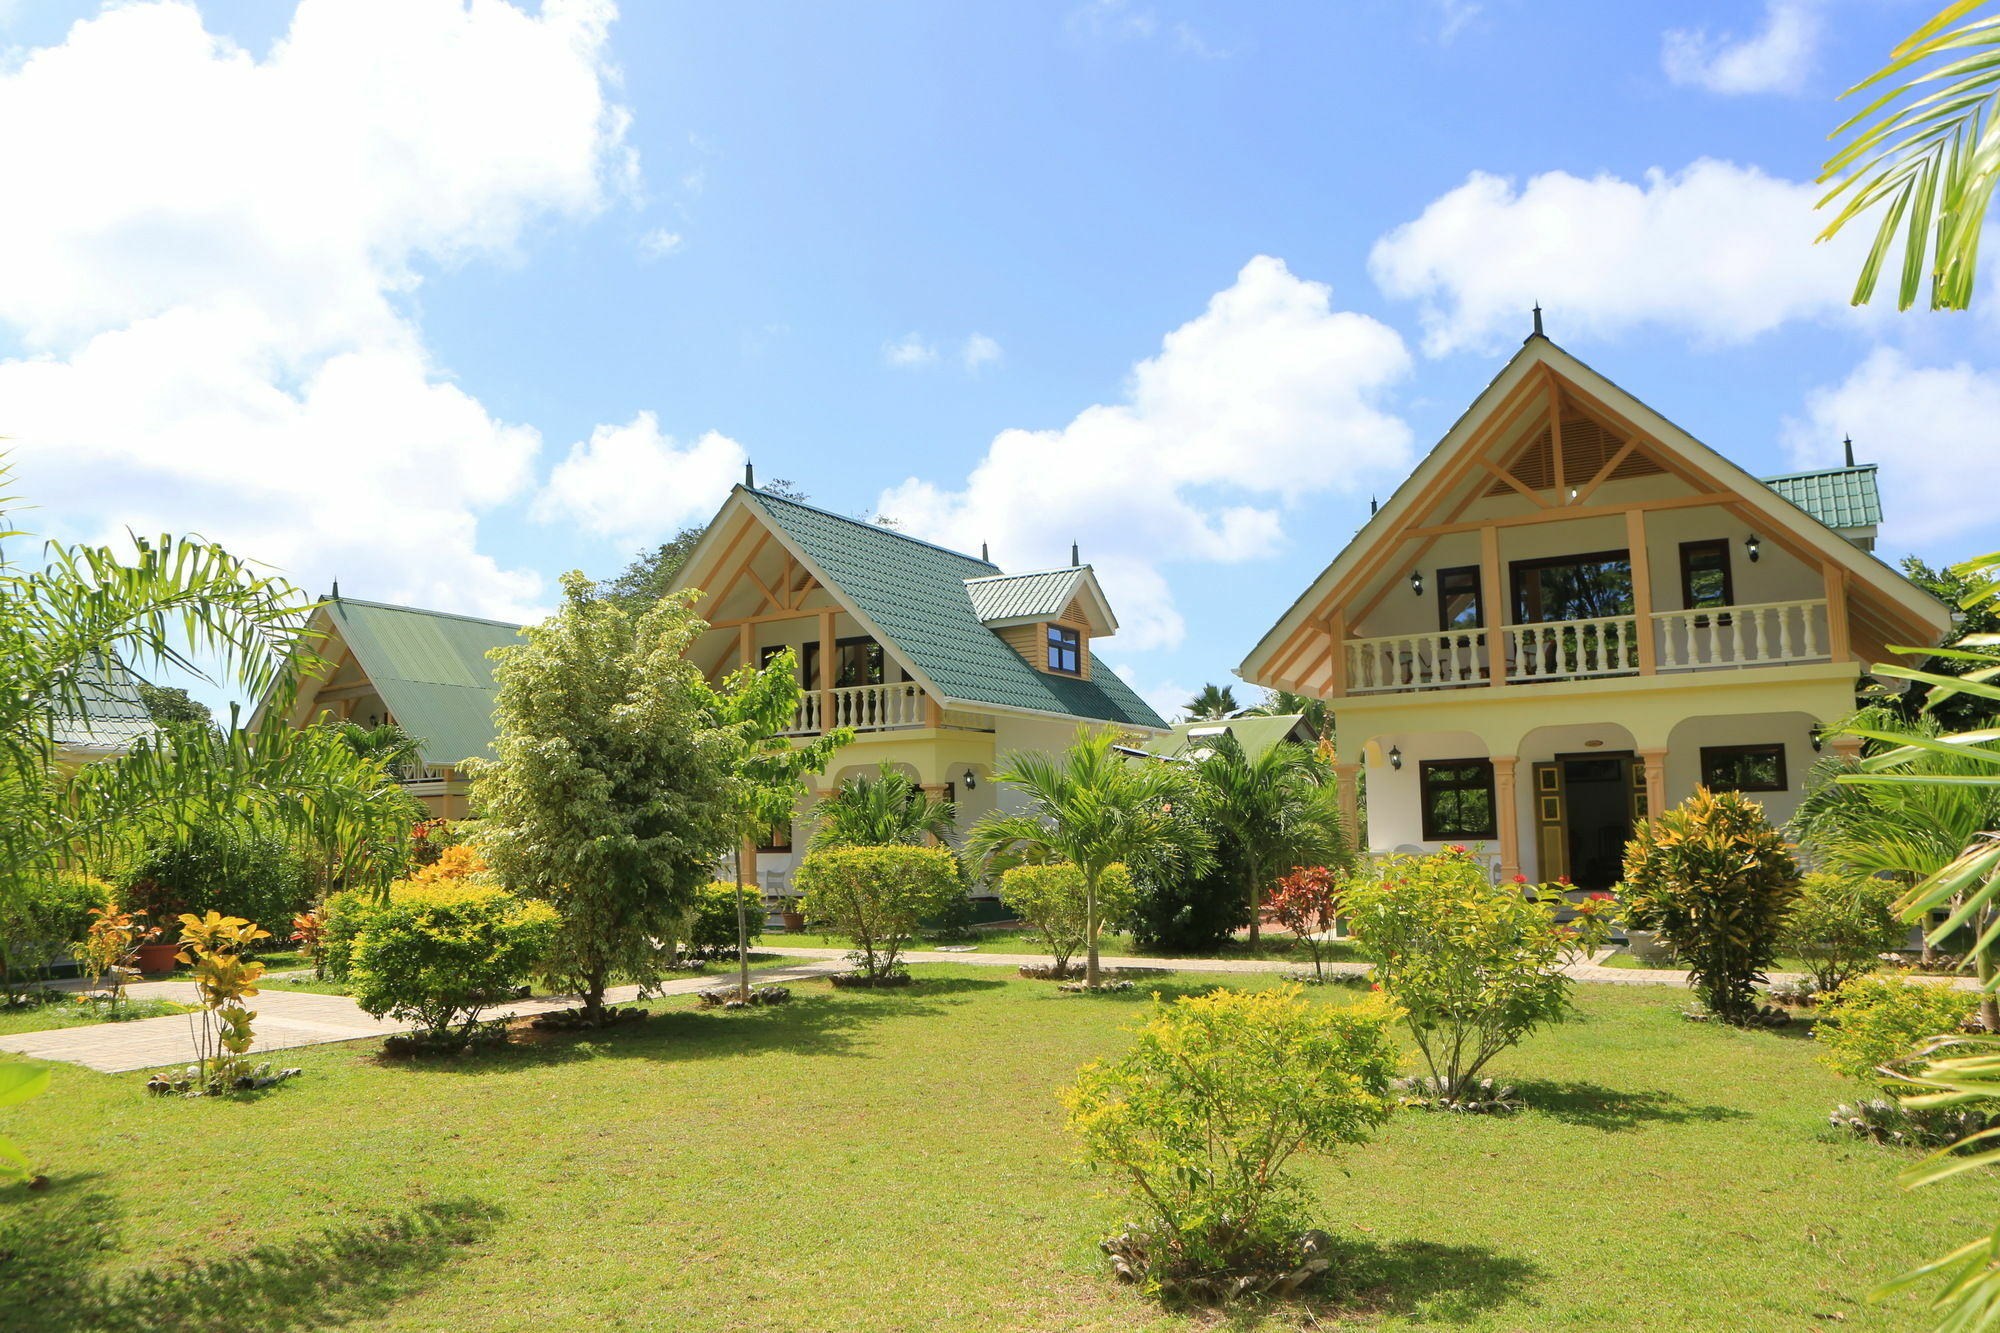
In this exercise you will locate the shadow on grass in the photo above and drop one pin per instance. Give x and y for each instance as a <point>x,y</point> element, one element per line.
<point>1441,1284</point>
<point>52,1245</point>
<point>1594,1106</point>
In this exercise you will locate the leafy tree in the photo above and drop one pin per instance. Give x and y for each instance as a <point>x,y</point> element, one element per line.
<point>646,580</point>
<point>170,705</point>
<point>1190,912</point>
<point>889,808</point>
<point>754,707</point>
<point>1094,809</point>
<point>1213,704</point>
<point>1308,903</point>
<point>1840,926</point>
<point>611,796</point>
<point>877,896</point>
<point>1716,882</point>
<point>1201,1117</point>
<point>1960,712</point>
<point>1274,813</point>
<point>1316,713</point>
<point>1476,966</point>
<point>1924,151</point>
<point>1051,899</point>
<point>388,744</point>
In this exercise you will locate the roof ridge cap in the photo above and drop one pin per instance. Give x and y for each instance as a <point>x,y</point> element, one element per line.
<point>883,529</point>
<point>420,611</point>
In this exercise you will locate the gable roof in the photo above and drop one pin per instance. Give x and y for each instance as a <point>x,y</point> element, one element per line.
<point>1539,355</point>
<point>113,713</point>
<point>1255,732</point>
<point>431,669</point>
<point>1035,596</point>
<point>1840,497</point>
<point>916,596</point>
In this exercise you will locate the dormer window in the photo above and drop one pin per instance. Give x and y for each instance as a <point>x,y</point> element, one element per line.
<point>1065,650</point>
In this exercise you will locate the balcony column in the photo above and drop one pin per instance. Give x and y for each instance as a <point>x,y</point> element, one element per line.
<point>1653,765</point>
<point>1347,783</point>
<point>936,791</point>
<point>1847,747</point>
<point>1642,589</point>
<point>826,652</point>
<point>1494,608</point>
<point>1507,814</point>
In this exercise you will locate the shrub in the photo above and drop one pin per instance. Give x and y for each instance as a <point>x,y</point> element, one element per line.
<point>1715,881</point>
<point>1839,924</point>
<point>711,928</point>
<point>1201,1116</point>
<point>1475,966</point>
<point>42,916</point>
<point>1307,903</point>
<point>1176,913</point>
<point>1873,1024</point>
<point>217,868</point>
<point>215,946</point>
<point>343,915</point>
<point>1050,899</point>
<point>437,954</point>
<point>875,896</point>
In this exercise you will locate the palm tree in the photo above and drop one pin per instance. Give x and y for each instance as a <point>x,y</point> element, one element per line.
<point>1094,808</point>
<point>1930,159</point>
<point>881,811</point>
<point>1317,713</point>
<point>388,745</point>
<point>1270,814</point>
<point>1213,704</point>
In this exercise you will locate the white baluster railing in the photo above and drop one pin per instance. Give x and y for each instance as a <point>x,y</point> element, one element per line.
<point>1762,633</point>
<point>805,718</point>
<point>1605,646</point>
<point>877,707</point>
<point>1416,661</point>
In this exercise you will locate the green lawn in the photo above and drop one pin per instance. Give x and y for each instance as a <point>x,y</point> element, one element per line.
<point>1622,959</point>
<point>896,1161</point>
<point>69,1014</point>
<point>1007,939</point>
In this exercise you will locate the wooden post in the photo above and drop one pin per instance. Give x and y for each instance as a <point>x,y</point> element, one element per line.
<point>826,651</point>
<point>1494,598</point>
<point>1556,436</point>
<point>1653,763</point>
<point>933,712</point>
<point>1336,665</point>
<point>1507,814</point>
<point>934,790</point>
<point>1836,610</point>
<point>1347,779</point>
<point>1642,589</point>
<point>746,645</point>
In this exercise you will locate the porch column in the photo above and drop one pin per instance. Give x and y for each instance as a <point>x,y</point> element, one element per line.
<point>1507,814</point>
<point>1653,763</point>
<point>1847,747</point>
<point>825,683</point>
<point>1642,589</point>
<point>749,865</point>
<point>936,791</point>
<point>1347,781</point>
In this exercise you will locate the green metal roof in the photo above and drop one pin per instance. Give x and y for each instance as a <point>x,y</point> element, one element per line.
<point>113,713</point>
<point>1841,497</point>
<point>1256,733</point>
<point>1034,596</point>
<point>431,669</point>
<point>916,593</point>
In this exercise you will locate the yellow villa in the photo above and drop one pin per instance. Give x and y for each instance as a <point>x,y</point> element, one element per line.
<point>1572,613</point>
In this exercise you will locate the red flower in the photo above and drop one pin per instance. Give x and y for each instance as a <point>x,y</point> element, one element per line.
<point>1520,879</point>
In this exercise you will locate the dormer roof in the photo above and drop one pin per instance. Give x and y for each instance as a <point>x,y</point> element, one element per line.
<point>1000,600</point>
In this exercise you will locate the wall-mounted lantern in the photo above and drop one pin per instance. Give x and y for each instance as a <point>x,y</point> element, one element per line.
<point>1750,545</point>
<point>1395,757</point>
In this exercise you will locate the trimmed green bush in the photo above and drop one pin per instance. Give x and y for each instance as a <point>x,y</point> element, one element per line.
<point>711,929</point>
<point>877,896</point>
<point>1841,924</point>
<point>439,954</point>
<point>41,917</point>
<point>1877,1023</point>
<point>1050,899</point>
<point>1176,913</point>
<point>1715,881</point>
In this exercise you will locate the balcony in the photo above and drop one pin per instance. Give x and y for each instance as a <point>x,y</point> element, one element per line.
<point>1713,638</point>
<point>860,707</point>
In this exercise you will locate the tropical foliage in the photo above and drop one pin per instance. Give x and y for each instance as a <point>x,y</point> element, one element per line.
<point>1924,152</point>
<point>1316,713</point>
<point>1875,1029</point>
<point>1269,814</point>
<point>1094,809</point>
<point>880,811</point>
<point>42,918</point>
<point>438,955</point>
<point>1201,1117</point>
<point>1212,704</point>
<point>214,947</point>
<point>611,796</point>
<point>17,1084</point>
<point>1051,899</point>
<point>1308,903</point>
<point>877,896</point>
<point>1475,966</point>
<point>1715,881</point>
<point>1841,924</point>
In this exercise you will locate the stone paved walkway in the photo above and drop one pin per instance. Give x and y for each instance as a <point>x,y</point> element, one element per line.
<point>286,1019</point>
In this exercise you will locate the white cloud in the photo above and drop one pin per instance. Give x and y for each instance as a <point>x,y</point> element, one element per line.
<point>909,352</point>
<point>659,243</point>
<point>208,288</point>
<point>979,350</point>
<point>635,485</point>
<point>1168,697</point>
<point>1115,20</point>
<point>1454,16</point>
<point>1775,59</point>
<point>1718,251</point>
<point>1931,427</point>
<point>1269,394</point>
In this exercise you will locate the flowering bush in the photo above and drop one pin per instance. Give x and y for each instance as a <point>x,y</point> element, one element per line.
<point>1050,898</point>
<point>1307,903</point>
<point>1475,966</point>
<point>343,915</point>
<point>1201,1115</point>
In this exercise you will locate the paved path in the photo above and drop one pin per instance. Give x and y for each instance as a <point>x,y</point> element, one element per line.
<point>288,1018</point>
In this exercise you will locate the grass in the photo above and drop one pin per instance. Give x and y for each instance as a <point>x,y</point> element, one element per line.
<point>1622,959</point>
<point>67,1013</point>
<point>1010,939</point>
<point>872,1161</point>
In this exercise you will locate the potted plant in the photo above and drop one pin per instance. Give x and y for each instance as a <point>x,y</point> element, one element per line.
<point>789,913</point>
<point>160,908</point>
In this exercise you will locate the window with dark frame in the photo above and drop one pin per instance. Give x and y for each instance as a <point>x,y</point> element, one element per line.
<point>1705,577</point>
<point>1457,798</point>
<point>1572,587</point>
<point>1461,600</point>
<point>1743,768</point>
<point>1065,650</point>
<point>778,839</point>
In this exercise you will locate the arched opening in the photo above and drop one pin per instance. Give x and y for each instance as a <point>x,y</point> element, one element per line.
<point>1586,789</point>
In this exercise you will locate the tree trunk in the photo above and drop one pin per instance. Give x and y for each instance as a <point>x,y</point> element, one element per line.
<point>1256,911</point>
<point>1090,930</point>
<point>742,931</point>
<point>1989,1007</point>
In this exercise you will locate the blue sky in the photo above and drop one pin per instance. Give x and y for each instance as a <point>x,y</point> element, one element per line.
<point>442,300</point>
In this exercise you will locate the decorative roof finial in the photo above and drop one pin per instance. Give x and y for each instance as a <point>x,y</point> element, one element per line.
<point>1371,506</point>
<point>983,555</point>
<point>749,476</point>
<point>1538,321</point>
<point>1847,443</point>
<point>336,590</point>
<point>1075,556</point>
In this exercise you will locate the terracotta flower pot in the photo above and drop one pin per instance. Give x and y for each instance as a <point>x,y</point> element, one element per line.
<point>794,921</point>
<point>157,957</point>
